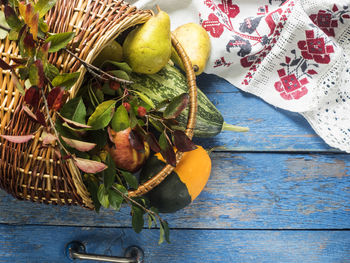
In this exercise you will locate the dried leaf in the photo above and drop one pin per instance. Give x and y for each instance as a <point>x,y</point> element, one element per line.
<point>56,98</point>
<point>59,41</point>
<point>74,124</point>
<point>48,138</point>
<point>136,141</point>
<point>79,145</point>
<point>17,84</point>
<point>176,106</point>
<point>152,142</point>
<point>182,142</point>
<point>89,166</point>
<point>29,112</point>
<point>18,139</point>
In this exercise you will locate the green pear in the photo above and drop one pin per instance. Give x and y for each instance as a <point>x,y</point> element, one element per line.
<point>113,51</point>
<point>147,49</point>
<point>196,43</point>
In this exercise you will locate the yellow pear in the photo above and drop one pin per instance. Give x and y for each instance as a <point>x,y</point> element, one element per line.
<point>147,49</point>
<point>113,51</point>
<point>196,42</point>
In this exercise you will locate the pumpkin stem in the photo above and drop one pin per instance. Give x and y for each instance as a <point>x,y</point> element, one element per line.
<point>230,127</point>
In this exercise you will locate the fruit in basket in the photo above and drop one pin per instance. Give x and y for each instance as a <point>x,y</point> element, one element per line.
<point>183,185</point>
<point>123,154</point>
<point>147,48</point>
<point>113,51</point>
<point>196,42</point>
<point>169,83</point>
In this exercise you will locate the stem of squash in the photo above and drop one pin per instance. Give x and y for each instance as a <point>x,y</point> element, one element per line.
<point>230,127</point>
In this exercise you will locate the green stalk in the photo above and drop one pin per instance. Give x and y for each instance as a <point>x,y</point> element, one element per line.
<point>230,127</point>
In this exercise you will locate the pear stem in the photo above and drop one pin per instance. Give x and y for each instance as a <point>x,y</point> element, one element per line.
<point>230,127</point>
<point>158,8</point>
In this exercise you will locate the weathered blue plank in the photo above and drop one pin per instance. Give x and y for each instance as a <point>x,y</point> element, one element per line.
<point>271,129</point>
<point>245,191</point>
<point>34,244</point>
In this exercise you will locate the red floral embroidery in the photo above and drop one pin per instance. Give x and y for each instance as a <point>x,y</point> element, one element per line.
<point>328,19</point>
<point>315,48</point>
<point>290,87</point>
<point>213,26</point>
<point>228,8</point>
<point>324,20</point>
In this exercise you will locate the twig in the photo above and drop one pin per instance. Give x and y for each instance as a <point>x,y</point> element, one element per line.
<point>5,28</point>
<point>96,71</point>
<point>138,204</point>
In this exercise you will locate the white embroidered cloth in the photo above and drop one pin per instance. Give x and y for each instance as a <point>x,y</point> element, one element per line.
<point>294,54</point>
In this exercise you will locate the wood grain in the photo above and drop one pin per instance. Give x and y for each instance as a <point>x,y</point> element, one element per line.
<point>245,191</point>
<point>36,244</point>
<point>271,128</point>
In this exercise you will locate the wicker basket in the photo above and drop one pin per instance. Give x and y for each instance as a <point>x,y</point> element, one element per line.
<point>31,172</point>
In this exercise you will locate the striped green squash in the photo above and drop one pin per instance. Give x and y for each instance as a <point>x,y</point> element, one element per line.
<point>169,83</point>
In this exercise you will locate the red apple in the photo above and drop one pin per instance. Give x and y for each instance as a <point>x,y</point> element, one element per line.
<point>123,154</point>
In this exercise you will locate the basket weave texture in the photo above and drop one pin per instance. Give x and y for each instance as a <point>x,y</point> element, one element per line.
<point>31,172</point>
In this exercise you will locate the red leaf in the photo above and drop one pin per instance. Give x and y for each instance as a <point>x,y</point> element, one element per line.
<point>182,142</point>
<point>311,72</point>
<point>40,118</point>
<point>287,60</point>
<point>89,166</point>
<point>346,16</point>
<point>79,145</point>
<point>29,43</point>
<point>169,155</point>
<point>74,124</point>
<point>48,138</point>
<point>335,8</point>
<point>18,139</point>
<point>136,141</point>
<point>4,65</point>
<point>32,96</point>
<point>55,98</point>
<point>21,61</point>
<point>153,143</point>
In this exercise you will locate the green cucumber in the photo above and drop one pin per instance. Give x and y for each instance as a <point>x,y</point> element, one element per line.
<point>169,83</point>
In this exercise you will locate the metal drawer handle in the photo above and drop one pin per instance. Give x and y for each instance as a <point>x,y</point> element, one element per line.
<point>77,250</point>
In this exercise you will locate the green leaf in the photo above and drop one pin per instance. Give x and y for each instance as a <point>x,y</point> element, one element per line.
<point>115,199</point>
<point>50,71</point>
<point>43,26</point>
<point>137,218</point>
<point>102,115</point>
<point>109,173</point>
<point>130,179</point>
<point>120,120</point>
<point>121,188</point>
<point>66,80</point>
<point>121,74</point>
<point>36,74</point>
<point>143,97</point>
<point>102,195</point>
<point>92,186</point>
<point>74,110</point>
<point>18,85</point>
<point>59,41</point>
<point>176,106</point>
<point>151,219</point>
<point>164,232</point>
<point>13,35</point>
<point>43,6</point>
<point>3,23</point>
<point>12,18</point>
<point>121,65</point>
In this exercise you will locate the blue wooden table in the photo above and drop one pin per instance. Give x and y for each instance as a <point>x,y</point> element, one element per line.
<point>276,194</point>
